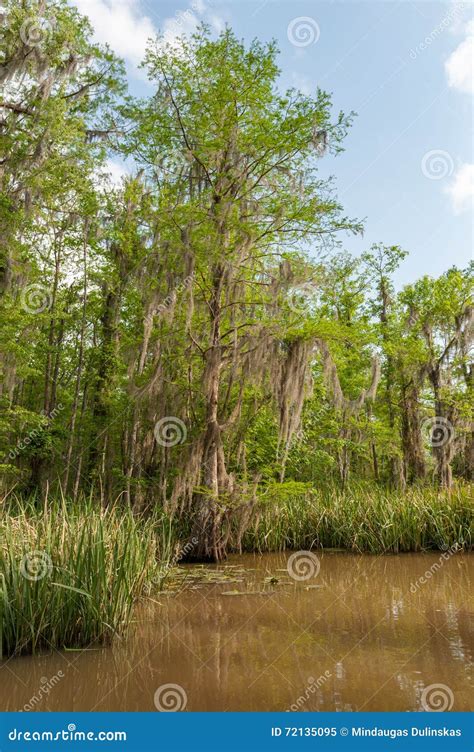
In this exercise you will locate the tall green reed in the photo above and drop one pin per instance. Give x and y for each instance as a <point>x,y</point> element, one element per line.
<point>362,519</point>
<point>70,575</point>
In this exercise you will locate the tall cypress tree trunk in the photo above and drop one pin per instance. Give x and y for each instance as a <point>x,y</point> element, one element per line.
<point>443,448</point>
<point>412,444</point>
<point>80,362</point>
<point>394,466</point>
<point>468,470</point>
<point>207,522</point>
<point>101,454</point>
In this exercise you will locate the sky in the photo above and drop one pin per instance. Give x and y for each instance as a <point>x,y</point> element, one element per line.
<point>405,68</point>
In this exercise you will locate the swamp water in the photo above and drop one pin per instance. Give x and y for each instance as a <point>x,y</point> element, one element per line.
<point>365,633</point>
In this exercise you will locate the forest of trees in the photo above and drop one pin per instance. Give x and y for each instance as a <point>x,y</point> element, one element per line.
<point>194,334</point>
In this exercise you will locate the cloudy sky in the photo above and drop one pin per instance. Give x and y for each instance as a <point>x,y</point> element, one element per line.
<point>405,67</point>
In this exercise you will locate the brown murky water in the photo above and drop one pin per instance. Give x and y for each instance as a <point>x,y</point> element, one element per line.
<point>358,636</point>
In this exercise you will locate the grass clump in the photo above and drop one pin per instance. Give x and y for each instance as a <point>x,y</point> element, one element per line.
<point>69,576</point>
<point>362,519</point>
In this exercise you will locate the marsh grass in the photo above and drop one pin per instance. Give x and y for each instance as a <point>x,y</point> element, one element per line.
<point>70,575</point>
<point>362,519</point>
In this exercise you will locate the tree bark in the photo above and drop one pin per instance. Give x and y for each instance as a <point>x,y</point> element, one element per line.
<point>443,445</point>
<point>412,443</point>
<point>207,522</point>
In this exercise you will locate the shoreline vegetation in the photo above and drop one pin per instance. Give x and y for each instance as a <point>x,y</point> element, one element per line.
<point>188,352</point>
<point>71,573</point>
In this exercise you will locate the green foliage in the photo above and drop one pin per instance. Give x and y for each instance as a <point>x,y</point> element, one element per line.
<point>70,574</point>
<point>363,519</point>
<point>210,287</point>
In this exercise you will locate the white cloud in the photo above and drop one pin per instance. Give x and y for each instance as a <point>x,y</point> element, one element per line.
<point>461,189</point>
<point>126,28</point>
<point>183,22</point>
<point>116,171</point>
<point>460,64</point>
<point>302,83</point>
<point>216,23</point>
<point>186,20</point>
<point>121,24</point>
<point>110,175</point>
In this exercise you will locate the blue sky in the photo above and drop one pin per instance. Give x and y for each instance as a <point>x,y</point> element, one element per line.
<point>405,67</point>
